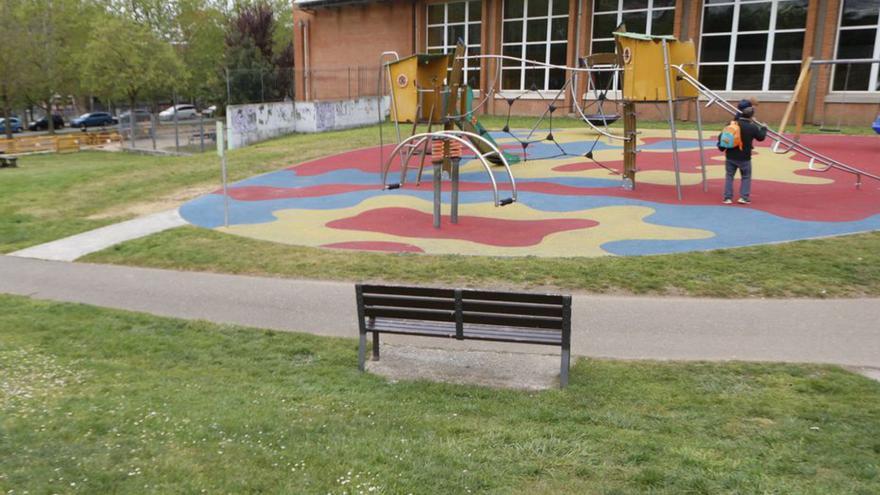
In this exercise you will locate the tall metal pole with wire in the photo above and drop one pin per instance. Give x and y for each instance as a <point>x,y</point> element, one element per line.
<point>670,102</point>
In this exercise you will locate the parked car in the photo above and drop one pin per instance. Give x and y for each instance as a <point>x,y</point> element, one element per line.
<point>210,111</point>
<point>184,111</point>
<point>14,124</point>
<point>43,123</point>
<point>93,119</point>
<point>139,116</point>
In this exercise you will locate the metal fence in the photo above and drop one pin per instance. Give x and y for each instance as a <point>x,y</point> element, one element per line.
<point>259,86</point>
<point>181,132</point>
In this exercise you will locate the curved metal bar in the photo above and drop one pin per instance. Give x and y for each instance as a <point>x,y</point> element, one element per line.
<point>404,167</point>
<point>536,64</point>
<point>584,118</point>
<point>458,139</point>
<point>495,151</point>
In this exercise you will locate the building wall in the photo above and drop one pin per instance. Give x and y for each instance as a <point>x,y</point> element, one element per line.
<point>354,36</point>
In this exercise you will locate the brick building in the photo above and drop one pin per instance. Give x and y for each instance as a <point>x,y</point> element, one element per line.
<point>745,47</point>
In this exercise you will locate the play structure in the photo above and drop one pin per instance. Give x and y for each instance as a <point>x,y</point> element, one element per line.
<point>427,90</point>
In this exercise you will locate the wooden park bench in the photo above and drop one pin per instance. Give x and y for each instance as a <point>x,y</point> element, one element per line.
<point>464,314</point>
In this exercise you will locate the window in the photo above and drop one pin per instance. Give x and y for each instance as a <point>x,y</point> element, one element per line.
<point>752,45</point>
<point>534,30</point>
<point>858,36</point>
<point>655,17</point>
<point>453,21</point>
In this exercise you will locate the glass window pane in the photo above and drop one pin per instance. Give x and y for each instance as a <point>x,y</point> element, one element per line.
<point>473,78</point>
<point>455,12</point>
<point>792,15</point>
<point>535,79</point>
<point>539,8</point>
<point>475,11</point>
<point>751,47</point>
<point>559,29</point>
<point>435,36</point>
<point>603,25</point>
<point>513,9</point>
<point>536,30</point>
<point>510,79</point>
<point>435,13</point>
<point>602,81</point>
<point>454,34</point>
<point>718,19</point>
<point>538,53</point>
<point>558,52</point>
<point>714,76</point>
<point>788,46</point>
<point>473,34</point>
<point>754,16</point>
<point>856,43</point>
<point>560,7</point>
<point>783,77</point>
<point>715,49</point>
<point>512,31</point>
<point>747,77</point>
<point>635,4</point>
<point>662,22</point>
<point>636,22</point>
<point>557,79</point>
<point>511,51</point>
<point>858,80</point>
<point>603,47</point>
<point>860,13</point>
<point>605,6</point>
<point>664,3</point>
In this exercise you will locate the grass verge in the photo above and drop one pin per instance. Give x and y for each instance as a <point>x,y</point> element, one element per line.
<point>103,401</point>
<point>846,266</point>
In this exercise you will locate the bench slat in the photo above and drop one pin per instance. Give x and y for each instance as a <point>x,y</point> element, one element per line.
<point>470,331</point>
<point>409,314</point>
<point>512,308</point>
<point>407,291</point>
<point>513,321</point>
<point>484,295</point>
<point>409,302</point>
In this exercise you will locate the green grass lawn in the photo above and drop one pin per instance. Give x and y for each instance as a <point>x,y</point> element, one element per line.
<point>52,196</point>
<point>104,401</point>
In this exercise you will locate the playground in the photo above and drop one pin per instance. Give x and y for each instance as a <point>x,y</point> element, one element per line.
<point>566,206</point>
<point>456,187</point>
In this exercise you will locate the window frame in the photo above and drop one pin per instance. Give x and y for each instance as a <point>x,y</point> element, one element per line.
<point>734,34</point>
<point>469,66</point>
<point>548,42</point>
<point>874,76</point>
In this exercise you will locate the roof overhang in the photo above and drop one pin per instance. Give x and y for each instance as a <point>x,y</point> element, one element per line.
<point>312,5</point>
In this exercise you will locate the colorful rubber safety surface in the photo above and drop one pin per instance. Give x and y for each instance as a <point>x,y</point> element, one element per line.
<point>567,205</point>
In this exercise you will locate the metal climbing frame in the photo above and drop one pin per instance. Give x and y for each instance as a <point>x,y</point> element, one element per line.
<point>466,139</point>
<point>814,156</point>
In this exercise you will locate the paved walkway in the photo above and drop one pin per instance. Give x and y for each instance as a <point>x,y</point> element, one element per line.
<point>79,245</point>
<point>844,332</point>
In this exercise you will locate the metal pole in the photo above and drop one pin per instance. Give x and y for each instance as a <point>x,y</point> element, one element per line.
<point>437,198</point>
<point>202,133</point>
<point>262,90</point>
<point>176,130</point>
<point>669,101</point>
<point>132,124</point>
<point>221,150</point>
<point>453,174</point>
<point>700,137</point>
<point>153,129</point>
<point>228,88</point>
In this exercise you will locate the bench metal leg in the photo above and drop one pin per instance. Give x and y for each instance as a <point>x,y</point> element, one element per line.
<point>362,350</point>
<point>375,346</point>
<point>563,370</point>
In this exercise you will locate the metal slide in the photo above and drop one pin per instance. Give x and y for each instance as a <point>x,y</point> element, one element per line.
<point>825,163</point>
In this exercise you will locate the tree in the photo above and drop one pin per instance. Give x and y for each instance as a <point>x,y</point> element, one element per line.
<point>10,58</point>
<point>251,53</point>
<point>124,59</point>
<point>53,34</point>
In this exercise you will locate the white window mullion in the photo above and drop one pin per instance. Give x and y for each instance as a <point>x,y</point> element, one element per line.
<point>648,17</point>
<point>875,68</point>
<point>768,57</point>
<point>549,44</point>
<point>525,23</point>
<point>734,40</point>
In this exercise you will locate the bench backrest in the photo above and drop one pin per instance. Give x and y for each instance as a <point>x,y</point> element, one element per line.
<point>466,306</point>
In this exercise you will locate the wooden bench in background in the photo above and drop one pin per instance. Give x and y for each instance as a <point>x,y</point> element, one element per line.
<point>464,314</point>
